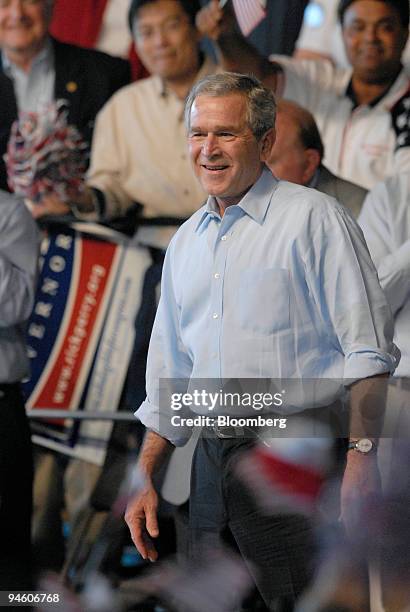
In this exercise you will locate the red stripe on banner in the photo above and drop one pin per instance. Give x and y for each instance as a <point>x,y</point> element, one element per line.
<point>289,477</point>
<point>60,385</point>
<point>249,13</point>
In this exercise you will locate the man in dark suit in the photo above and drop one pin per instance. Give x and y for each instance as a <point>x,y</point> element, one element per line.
<point>36,69</point>
<point>297,157</point>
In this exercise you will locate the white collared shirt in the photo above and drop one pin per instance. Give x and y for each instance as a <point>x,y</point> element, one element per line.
<point>385,221</point>
<point>140,154</point>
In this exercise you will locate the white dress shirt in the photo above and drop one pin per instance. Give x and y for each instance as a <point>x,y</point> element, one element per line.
<point>385,220</point>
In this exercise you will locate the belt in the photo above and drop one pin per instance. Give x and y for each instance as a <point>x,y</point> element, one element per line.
<point>229,432</point>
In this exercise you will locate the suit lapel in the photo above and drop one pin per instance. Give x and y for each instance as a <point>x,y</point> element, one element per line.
<point>8,101</point>
<point>327,182</point>
<point>68,80</point>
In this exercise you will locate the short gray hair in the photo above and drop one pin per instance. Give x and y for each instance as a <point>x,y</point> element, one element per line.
<point>260,101</point>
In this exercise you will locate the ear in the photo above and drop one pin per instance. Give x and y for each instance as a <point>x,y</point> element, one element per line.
<point>312,161</point>
<point>266,144</point>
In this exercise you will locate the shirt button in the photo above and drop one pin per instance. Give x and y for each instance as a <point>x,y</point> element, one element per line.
<point>186,192</point>
<point>215,316</point>
<point>223,238</point>
<point>217,275</point>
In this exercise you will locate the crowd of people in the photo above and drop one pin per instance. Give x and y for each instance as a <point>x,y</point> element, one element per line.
<point>273,196</point>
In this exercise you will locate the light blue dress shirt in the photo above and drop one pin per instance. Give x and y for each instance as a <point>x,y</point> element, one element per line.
<point>281,287</point>
<point>34,90</point>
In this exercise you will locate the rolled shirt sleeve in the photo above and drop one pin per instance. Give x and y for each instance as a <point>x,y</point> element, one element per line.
<point>344,281</point>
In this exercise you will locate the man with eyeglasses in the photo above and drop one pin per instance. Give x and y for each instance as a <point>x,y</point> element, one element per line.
<point>36,69</point>
<point>139,152</point>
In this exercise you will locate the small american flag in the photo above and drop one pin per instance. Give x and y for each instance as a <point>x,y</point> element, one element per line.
<point>287,474</point>
<point>249,13</point>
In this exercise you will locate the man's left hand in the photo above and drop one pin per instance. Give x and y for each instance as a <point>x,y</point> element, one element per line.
<point>361,480</point>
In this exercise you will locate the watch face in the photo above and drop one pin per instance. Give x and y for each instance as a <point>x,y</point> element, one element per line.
<point>364,445</point>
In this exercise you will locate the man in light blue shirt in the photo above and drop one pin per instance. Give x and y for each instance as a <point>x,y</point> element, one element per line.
<point>267,280</point>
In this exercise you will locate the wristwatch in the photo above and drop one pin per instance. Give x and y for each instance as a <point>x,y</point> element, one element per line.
<point>363,445</point>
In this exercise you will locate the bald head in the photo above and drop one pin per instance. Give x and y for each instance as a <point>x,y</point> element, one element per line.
<point>298,148</point>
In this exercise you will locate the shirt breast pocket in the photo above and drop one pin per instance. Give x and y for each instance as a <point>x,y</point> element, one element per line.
<point>264,300</point>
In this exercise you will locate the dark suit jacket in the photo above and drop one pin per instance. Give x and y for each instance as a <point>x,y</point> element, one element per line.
<point>349,194</point>
<point>84,77</point>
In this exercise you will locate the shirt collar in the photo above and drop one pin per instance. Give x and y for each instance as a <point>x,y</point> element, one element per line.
<point>255,202</point>
<point>400,82</point>
<point>45,56</point>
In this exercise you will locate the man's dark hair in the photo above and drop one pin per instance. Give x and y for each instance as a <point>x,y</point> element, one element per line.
<point>401,6</point>
<point>191,7</point>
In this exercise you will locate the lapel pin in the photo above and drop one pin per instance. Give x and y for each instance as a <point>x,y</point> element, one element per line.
<point>71,86</point>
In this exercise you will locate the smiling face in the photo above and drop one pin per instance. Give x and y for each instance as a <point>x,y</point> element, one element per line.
<point>166,40</point>
<point>374,39</point>
<point>23,26</point>
<point>226,157</point>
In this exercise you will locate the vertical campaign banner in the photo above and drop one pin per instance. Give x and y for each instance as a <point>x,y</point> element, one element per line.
<point>81,332</point>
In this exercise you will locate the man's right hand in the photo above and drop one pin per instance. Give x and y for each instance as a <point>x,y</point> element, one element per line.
<point>141,518</point>
<point>208,20</point>
<point>213,21</point>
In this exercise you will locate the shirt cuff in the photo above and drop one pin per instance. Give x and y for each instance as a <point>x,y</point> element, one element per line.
<point>99,208</point>
<point>161,423</point>
<point>365,363</point>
